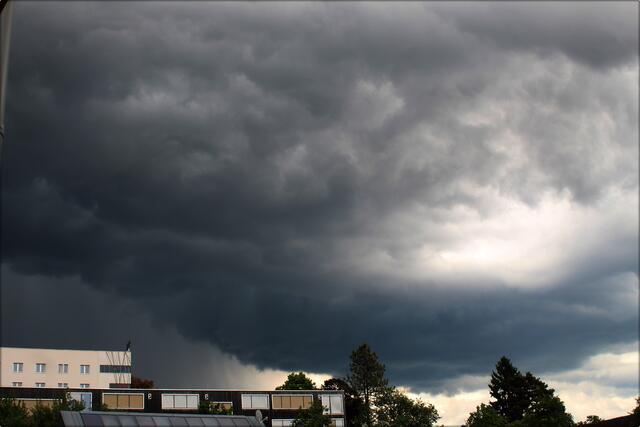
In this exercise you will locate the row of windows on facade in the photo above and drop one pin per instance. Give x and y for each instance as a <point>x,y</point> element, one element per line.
<point>63,368</point>
<point>189,401</point>
<point>43,385</point>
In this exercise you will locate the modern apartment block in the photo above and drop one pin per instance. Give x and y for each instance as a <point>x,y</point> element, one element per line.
<point>278,408</point>
<point>50,368</point>
<point>101,380</point>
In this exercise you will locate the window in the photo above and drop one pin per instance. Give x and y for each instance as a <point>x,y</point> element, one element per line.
<point>84,369</point>
<point>115,369</point>
<point>282,423</point>
<point>17,366</point>
<point>39,385</point>
<point>16,384</point>
<point>255,401</point>
<point>337,422</point>
<point>124,400</point>
<point>85,398</point>
<point>63,385</point>
<point>63,368</point>
<point>332,404</point>
<point>180,401</point>
<point>84,385</point>
<point>41,368</point>
<point>291,401</point>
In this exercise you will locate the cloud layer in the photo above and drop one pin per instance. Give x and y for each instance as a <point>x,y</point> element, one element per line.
<point>450,183</point>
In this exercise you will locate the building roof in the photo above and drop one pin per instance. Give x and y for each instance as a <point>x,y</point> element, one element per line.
<point>104,419</point>
<point>625,421</point>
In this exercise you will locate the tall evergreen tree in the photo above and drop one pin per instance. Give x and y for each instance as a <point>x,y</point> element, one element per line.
<point>509,388</point>
<point>367,377</point>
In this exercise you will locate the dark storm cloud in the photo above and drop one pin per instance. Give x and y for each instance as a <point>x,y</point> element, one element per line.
<point>226,165</point>
<point>593,33</point>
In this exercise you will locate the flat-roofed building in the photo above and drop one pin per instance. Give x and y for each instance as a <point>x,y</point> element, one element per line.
<point>53,368</point>
<point>278,408</point>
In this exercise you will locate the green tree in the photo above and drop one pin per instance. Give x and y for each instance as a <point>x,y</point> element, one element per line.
<point>591,419</point>
<point>547,411</point>
<point>509,388</point>
<point>520,401</point>
<point>394,408</point>
<point>50,416</point>
<point>367,378</point>
<point>486,416</point>
<point>636,411</point>
<point>312,417</point>
<point>297,381</point>
<point>13,413</point>
<point>353,403</point>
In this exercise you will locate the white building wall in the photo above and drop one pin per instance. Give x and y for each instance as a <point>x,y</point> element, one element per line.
<point>29,357</point>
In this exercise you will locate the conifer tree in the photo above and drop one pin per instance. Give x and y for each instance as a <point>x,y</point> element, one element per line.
<point>509,389</point>
<point>367,377</point>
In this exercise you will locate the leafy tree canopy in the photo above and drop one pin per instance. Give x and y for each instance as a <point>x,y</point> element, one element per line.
<point>312,417</point>
<point>486,416</point>
<point>591,419</point>
<point>547,411</point>
<point>13,413</point>
<point>297,381</point>
<point>394,408</point>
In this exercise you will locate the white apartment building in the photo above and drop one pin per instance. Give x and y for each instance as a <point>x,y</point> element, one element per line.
<point>51,368</point>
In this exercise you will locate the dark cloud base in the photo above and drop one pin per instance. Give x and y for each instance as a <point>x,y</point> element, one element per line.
<point>209,166</point>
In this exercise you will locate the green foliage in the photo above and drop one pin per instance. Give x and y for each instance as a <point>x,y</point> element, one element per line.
<point>353,403</point>
<point>312,417</point>
<point>486,416</point>
<point>13,413</point>
<point>213,408</point>
<point>100,406</point>
<point>297,381</point>
<point>520,401</point>
<point>547,411</point>
<point>636,411</point>
<point>591,419</point>
<point>49,416</point>
<point>509,389</point>
<point>393,408</point>
<point>367,378</point>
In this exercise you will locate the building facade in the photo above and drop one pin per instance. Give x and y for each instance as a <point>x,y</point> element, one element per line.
<point>51,368</point>
<point>278,407</point>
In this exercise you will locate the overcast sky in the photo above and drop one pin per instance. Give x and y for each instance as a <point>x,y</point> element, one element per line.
<point>249,189</point>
